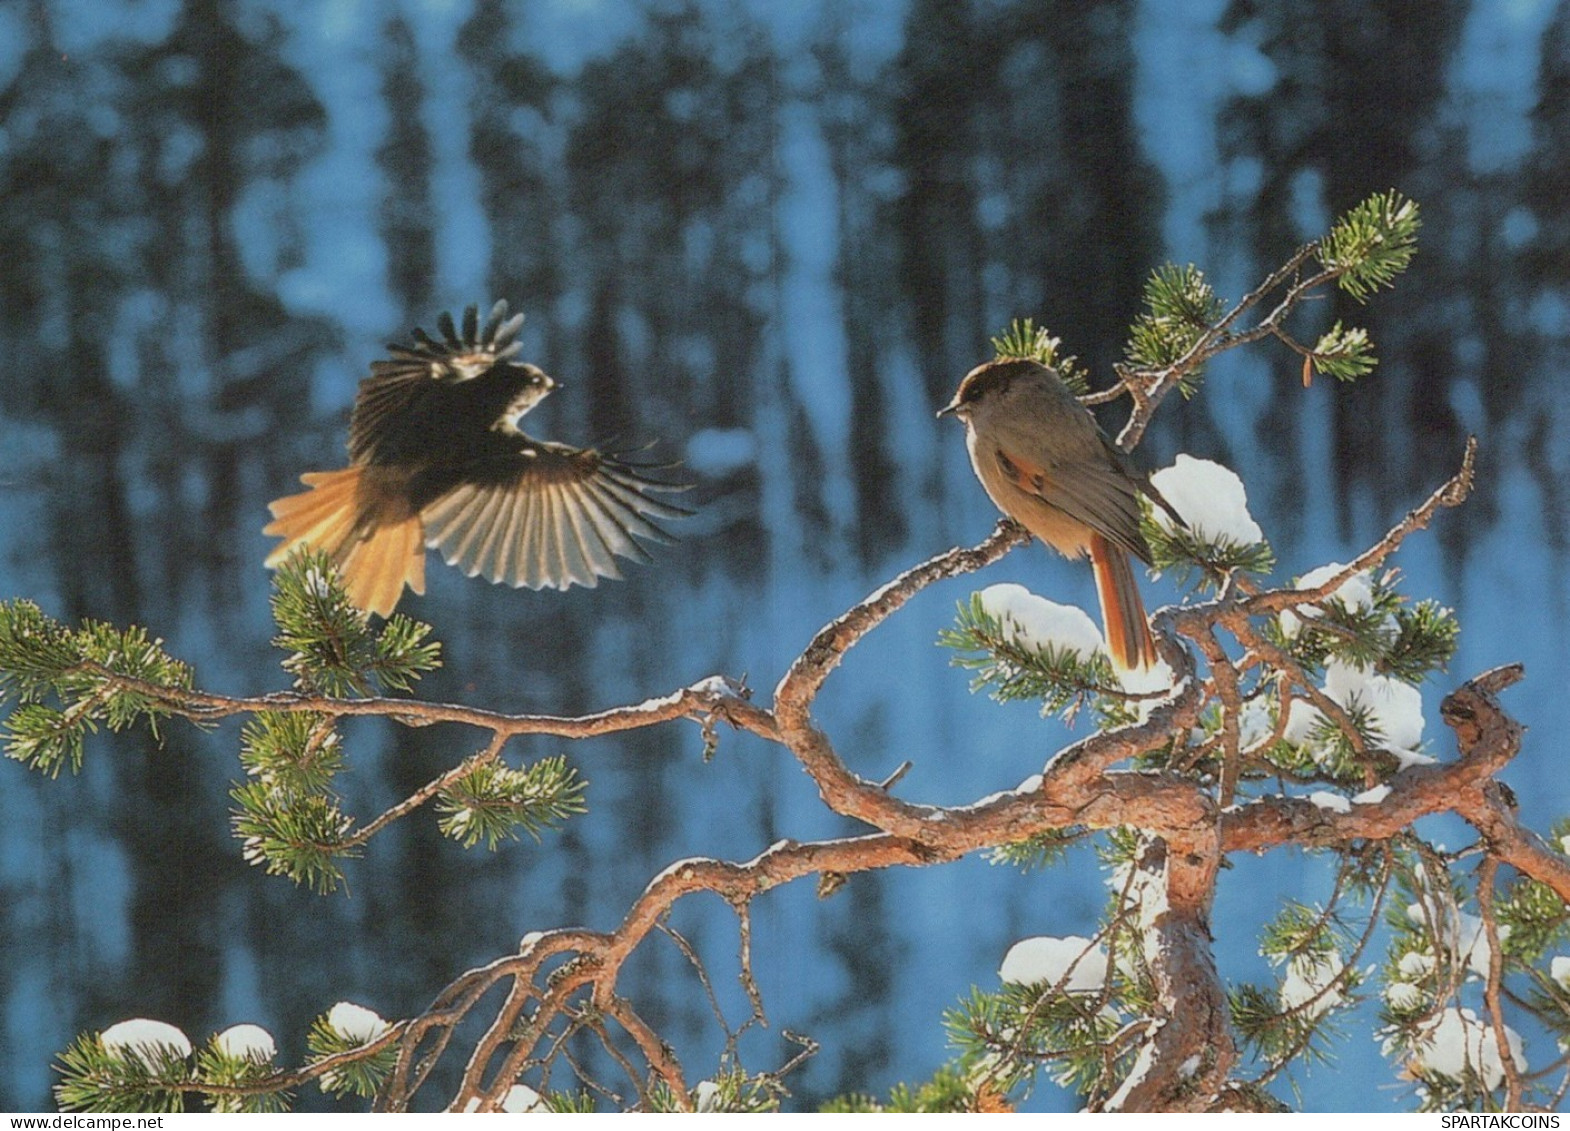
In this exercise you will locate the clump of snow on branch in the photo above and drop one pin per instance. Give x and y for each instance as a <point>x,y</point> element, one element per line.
<point>1559,970</point>
<point>1156,679</point>
<point>1416,964</point>
<point>1356,593</point>
<point>1464,936</point>
<point>1310,983</point>
<point>1077,963</point>
<point>1156,682</point>
<point>355,1022</point>
<point>1394,709</point>
<point>1333,802</point>
<point>522,1098</point>
<point>147,1040</point>
<point>1403,996</point>
<point>1458,1040</point>
<point>1038,623</point>
<point>706,1096</point>
<point>1211,499</point>
<point>246,1042</point>
<point>1254,722</point>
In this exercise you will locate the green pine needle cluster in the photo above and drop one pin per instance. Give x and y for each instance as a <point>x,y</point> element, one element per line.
<point>1329,753</point>
<point>1425,641</point>
<point>1372,243</point>
<point>1036,852</point>
<point>1272,1034</point>
<point>493,802</point>
<point>332,649</point>
<point>1024,340</point>
<point>96,1079</point>
<point>361,1077</point>
<point>948,1091</point>
<point>160,1078</point>
<point>1532,920</point>
<point>1060,680</point>
<point>302,836</point>
<point>1345,353</point>
<point>67,682</point>
<point>287,814</point>
<point>1201,563</point>
<point>1015,1032</point>
<point>733,1091</point>
<point>1313,945</point>
<point>1180,308</point>
<point>215,1066</point>
<point>297,752</point>
<point>1299,930</point>
<point>1391,635</point>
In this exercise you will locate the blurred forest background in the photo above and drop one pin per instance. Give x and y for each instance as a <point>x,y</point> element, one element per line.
<point>772,235</point>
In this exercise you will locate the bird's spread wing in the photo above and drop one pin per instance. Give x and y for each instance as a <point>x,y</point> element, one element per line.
<point>1097,493</point>
<point>547,516</point>
<point>397,384</point>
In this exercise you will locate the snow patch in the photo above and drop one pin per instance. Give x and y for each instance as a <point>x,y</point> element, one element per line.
<point>1393,708</point>
<point>1559,970</point>
<point>355,1022</point>
<point>1334,802</point>
<point>246,1042</point>
<point>1355,593</point>
<point>522,1098</point>
<point>1212,500</point>
<point>1458,1040</point>
<point>1046,960</point>
<point>1255,723</point>
<point>148,1040</point>
<point>1416,963</point>
<point>1309,983</point>
<point>706,1096</point>
<point>1372,796</point>
<point>1035,622</point>
<point>1403,996</point>
<point>1466,938</point>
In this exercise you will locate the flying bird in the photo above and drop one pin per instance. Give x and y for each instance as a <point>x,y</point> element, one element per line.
<point>1046,463</point>
<point>436,458</point>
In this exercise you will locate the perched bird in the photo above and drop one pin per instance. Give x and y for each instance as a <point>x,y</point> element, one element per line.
<point>436,458</point>
<point>1047,464</point>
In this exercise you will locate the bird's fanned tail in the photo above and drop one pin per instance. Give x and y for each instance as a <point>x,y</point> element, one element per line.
<point>376,560</point>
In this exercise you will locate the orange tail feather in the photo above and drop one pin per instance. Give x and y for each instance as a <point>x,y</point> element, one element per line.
<point>1122,611</point>
<point>377,553</point>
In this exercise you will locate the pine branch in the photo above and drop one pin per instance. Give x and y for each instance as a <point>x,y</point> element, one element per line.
<point>492,802</point>
<point>1026,341</point>
<point>331,648</point>
<point>1367,248</point>
<point>1372,244</point>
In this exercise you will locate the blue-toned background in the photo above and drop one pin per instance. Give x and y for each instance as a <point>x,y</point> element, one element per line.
<point>773,235</point>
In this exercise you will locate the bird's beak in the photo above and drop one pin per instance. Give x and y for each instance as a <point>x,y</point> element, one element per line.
<point>949,409</point>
